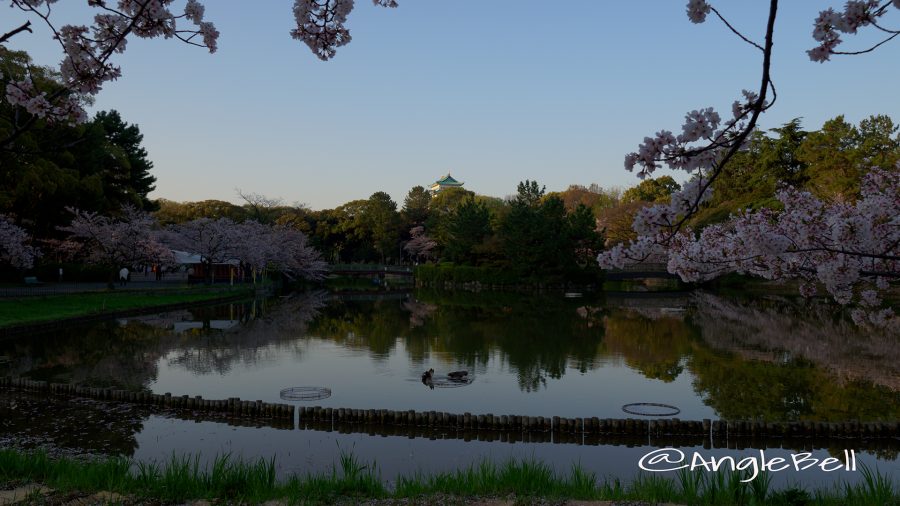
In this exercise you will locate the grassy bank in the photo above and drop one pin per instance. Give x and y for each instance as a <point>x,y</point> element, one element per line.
<point>183,479</point>
<point>32,310</point>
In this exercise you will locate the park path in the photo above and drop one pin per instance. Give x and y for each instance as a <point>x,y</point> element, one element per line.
<point>139,283</point>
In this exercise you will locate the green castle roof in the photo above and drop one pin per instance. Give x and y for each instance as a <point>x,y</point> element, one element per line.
<point>448,181</point>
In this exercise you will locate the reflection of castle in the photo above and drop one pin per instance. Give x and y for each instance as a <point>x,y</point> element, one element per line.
<point>444,183</point>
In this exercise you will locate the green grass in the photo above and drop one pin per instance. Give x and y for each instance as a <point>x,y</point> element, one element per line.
<point>184,478</point>
<point>57,307</point>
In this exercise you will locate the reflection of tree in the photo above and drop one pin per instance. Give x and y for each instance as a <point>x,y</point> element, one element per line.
<point>759,359</point>
<point>656,347</point>
<point>418,312</point>
<point>104,354</point>
<point>265,335</point>
<point>125,353</point>
<point>373,326</point>
<point>776,361</point>
<point>537,337</point>
<point>777,329</point>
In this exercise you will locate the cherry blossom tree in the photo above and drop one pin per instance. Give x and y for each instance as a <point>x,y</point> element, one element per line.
<point>128,240</point>
<point>849,248</point>
<point>253,244</point>
<point>14,245</point>
<point>281,248</point>
<point>296,258</point>
<point>215,241</point>
<point>420,246</point>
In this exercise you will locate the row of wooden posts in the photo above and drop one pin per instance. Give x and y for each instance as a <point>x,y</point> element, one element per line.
<point>468,421</point>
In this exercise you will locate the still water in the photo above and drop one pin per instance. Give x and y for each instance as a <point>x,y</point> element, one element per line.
<point>763,358</point>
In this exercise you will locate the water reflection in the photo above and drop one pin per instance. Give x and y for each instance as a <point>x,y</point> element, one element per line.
<point>712,356</point>
<point>774,358</point>
<point>253,333</point>
<point>764,358</point>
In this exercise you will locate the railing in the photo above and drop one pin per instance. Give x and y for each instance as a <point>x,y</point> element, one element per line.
<point>371,268</point>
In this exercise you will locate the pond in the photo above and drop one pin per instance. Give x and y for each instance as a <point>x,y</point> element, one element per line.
<point>711,356</point>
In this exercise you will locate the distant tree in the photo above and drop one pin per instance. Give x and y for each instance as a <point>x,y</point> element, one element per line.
<point>592,197</point>
<point>297,217</point>
<point>259,207</point>
<point>382,222</point>
<point>587,240</point>
<point>464,230</point>
<point>839,154</point>
<point>415,205</point>
<point>351,232</point>
<point>528,193</point>
<point>170,213</point>
<point>14,245</point>
<point>535,234</point>
<point>616,222</point>
<point>327,233</point>
<point>539,236</point>
<point>446,201</point>
<point>651,190</point>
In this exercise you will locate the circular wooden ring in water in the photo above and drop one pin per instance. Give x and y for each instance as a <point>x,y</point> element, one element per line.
<point>639,408</point>
<point>305,393</point>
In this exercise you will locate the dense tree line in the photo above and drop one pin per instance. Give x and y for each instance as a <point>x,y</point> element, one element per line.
<point>829,162</point>
<point>532,231</point>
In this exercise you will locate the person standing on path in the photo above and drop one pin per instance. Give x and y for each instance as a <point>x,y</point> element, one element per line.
<point>123,276</point>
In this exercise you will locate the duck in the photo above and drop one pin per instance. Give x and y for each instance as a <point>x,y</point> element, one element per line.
<point>427,375</point>
<point>458,375</point>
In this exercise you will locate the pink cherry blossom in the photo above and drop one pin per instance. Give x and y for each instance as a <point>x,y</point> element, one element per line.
<point>14,245</point>
<point>128,240</point>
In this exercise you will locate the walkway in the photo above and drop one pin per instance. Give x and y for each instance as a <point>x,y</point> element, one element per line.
<point>139,283</point>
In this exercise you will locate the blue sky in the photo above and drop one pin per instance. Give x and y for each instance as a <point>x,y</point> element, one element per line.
<point>494,91</point>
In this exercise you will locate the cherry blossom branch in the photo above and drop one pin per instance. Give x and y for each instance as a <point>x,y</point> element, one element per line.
<point>734,30</point>
<point>856,14</point>
<point>664,222</point>
<point>873,48</point>
<point>86,65</point>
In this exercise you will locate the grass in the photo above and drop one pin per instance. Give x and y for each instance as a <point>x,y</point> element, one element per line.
<point>27,310</point>
<point>226,478</point>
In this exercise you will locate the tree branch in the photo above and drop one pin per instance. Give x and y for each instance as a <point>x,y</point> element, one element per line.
<point>739,34</point>
<point>10,34</point>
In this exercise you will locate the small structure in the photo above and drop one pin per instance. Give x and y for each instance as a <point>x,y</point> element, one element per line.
<point>195,266</point>
<point>444,183</point>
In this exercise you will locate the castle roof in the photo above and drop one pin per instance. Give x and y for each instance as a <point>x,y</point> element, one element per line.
<point>448,181</point>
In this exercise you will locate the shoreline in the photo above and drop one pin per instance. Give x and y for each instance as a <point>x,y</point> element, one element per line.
<point>135,303</point>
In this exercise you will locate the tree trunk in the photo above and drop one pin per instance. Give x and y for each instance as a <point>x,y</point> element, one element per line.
<point>209,272</point>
